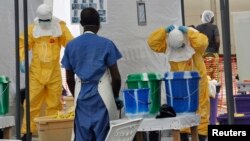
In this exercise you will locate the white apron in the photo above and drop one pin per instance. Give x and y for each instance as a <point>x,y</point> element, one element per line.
<point>106,92</point>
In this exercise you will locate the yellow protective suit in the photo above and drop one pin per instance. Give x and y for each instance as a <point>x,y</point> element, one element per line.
<point>157,41</point>
<point>45,73</point>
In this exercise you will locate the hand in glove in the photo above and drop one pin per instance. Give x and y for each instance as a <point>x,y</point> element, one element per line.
<point>22,67</point>
<point>119,103</point>
<point>183,29</point>
<point>170,28</point>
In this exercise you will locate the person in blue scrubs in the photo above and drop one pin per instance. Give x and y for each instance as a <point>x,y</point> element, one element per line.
<point>89,56</point>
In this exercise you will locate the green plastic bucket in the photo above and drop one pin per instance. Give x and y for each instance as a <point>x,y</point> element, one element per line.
<point>4,95</point>
<point>151,81</point>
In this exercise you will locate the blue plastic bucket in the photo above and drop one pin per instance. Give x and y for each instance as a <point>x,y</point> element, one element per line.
<point>136,101</point>
<point>182,90</point>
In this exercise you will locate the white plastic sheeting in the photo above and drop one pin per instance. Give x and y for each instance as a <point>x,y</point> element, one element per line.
<point>121,27</point>
<point>241,22</point>
<point>131,39</point>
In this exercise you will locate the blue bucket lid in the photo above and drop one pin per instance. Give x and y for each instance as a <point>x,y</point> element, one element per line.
<point>4,79</point>
<point>181,75</point>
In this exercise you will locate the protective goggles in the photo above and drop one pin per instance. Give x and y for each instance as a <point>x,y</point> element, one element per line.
<point>47,20</point>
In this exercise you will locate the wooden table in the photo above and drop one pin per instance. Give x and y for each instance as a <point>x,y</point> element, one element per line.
<point>6,123</point>
<point>175,124</point>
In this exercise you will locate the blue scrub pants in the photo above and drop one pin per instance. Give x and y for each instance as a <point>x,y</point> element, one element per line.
<point>91,119</point>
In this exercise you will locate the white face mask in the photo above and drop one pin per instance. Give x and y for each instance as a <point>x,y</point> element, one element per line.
<point>45,25</point>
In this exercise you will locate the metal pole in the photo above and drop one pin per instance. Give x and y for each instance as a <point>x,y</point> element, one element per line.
<point>224,5</point>
<point>18,105</point>
<point>183,12</point>
<point>25,13</point>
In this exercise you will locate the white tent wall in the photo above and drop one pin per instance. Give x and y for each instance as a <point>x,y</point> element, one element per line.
<point>122,28</point>
<point>131,39</point>
<point>7,40</point>
<point>61,9</point>
<point>241,22</point>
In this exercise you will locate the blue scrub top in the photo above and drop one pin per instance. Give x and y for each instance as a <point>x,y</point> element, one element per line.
<point>89,55</point>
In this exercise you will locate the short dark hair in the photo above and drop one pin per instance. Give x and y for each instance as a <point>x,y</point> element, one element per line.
<point>89,16</point>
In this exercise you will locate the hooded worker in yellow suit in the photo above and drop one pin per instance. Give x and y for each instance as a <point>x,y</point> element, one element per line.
<point>46,36</point>
<point>185,47</point>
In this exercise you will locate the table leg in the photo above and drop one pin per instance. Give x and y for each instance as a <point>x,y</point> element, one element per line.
<point>176,135</point>
<point>194,133</point>
<point>7,133</point>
